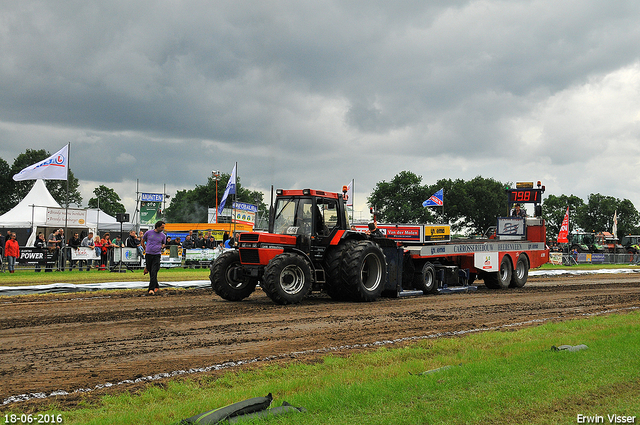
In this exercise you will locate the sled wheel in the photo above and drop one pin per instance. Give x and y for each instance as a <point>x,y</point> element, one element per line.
<point>521,273</point>
<point>287,279</point>
<point>227,277</point>
<point>505,273</point>
<point>426,279</point>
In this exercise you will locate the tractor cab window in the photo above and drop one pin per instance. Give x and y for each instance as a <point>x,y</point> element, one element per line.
<point>327,216</point>
<point>294,216</point>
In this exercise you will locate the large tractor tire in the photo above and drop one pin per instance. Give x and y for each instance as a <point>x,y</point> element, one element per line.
<point>426,279</point>
<point>521,273</point>
<point>287,279</point>
<point>227,279</point>
<point>335,285</point>
<point>365,271</point>
<point>502,278</point>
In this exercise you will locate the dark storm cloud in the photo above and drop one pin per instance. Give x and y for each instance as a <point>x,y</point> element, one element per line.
<point>167,91</point>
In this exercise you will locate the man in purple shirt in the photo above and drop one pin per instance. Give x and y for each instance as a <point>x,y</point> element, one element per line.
<point>153,241</point>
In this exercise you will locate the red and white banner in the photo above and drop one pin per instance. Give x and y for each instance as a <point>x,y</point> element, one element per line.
<point>564,229</point>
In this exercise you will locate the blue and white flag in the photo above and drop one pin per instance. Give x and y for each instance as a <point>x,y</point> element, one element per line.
<point>231,188</point>
<point>436,200</point>
<point>53,168</point>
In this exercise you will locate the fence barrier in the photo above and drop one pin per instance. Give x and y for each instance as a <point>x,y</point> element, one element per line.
<point>39,259</point>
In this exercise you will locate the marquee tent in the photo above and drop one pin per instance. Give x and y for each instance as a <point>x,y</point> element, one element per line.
<point>31,214</point>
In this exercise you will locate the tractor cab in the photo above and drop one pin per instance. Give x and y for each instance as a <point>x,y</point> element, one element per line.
<point>312,214</point>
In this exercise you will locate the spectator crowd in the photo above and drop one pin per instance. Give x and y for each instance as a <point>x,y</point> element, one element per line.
<point>60,250</point>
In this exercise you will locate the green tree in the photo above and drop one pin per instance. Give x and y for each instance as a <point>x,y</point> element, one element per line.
<point>554,209</point>
<point>472,205</point>
<point>489,201</point>
<point>57,188</point>
<point>6,187</point>
<point>597,215</point>
<point>400,200</point>
<point>107,200</point>
<point>456,199</point>
<point>191,206</point>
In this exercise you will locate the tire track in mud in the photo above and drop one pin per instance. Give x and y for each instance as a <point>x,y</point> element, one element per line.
<point>69,342</point>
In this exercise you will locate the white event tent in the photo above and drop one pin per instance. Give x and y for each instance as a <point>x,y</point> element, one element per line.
<point>31,214</point>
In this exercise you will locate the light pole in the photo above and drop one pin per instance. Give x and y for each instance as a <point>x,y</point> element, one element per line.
<point>216,176</point>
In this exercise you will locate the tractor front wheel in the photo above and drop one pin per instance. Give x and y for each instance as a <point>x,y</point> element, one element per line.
<point>287,279</point>
<point>227,277</point>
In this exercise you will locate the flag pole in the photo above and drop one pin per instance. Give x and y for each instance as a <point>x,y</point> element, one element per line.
<point>235,198</point>
<point>66,209</point>
<point>353,199</point>
<point>443,222</point>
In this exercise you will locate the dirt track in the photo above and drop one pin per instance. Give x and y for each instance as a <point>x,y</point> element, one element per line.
<point>80,341</point>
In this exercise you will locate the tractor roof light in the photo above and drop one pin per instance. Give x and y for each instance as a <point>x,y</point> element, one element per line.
<point>306,191</point>
<point>279,192</point>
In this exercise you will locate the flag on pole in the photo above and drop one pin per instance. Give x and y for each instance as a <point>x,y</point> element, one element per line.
<point>436,200</point>
<point>564,229</point>
<point>615,224</point>
<point>349,194</point>
<point>231,188</point>
<point>53,168</point>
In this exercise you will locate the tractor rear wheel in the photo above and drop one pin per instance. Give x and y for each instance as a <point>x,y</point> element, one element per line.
<point>365,271</point>
<point>287,279</point>
<point>335,285</point>
<point>227,278</point>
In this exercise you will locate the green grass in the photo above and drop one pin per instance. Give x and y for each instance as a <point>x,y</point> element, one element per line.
<point>495,377</point>
<point>29,277</point>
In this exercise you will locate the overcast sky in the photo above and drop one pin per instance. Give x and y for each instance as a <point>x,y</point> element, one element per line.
<point>317,93</point>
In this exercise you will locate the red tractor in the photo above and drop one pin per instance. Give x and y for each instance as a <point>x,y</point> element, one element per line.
<point>309,246</point>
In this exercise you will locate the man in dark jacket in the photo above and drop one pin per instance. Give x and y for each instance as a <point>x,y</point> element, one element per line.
<point>74,244</point>
<point>374,232</point>
<point>211,243</point>
<point>41,244</point>
<point>188,243</point>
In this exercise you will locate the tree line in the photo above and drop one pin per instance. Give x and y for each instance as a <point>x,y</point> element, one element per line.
<point>472,206</point>
<point>187,206</point>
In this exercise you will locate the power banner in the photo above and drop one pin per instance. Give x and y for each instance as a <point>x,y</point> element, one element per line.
<point>150,208</point>
<point>30,255</point>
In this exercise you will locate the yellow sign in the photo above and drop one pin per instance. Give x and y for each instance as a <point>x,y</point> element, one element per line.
<point>437,232</point>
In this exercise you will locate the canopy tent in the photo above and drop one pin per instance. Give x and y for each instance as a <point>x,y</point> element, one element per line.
<point>31,214</point>
<point>32,208</point>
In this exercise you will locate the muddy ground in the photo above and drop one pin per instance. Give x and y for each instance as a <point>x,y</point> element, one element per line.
<point>79,344</point>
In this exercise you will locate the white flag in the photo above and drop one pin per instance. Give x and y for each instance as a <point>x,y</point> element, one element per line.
<point>231,188</point>
<point>53,168</point>
<point>615,224</point>
<point>349,194</point>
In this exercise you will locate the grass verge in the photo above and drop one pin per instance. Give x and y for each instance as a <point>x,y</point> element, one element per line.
<point>29,277</point>
<point>494,377</point>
